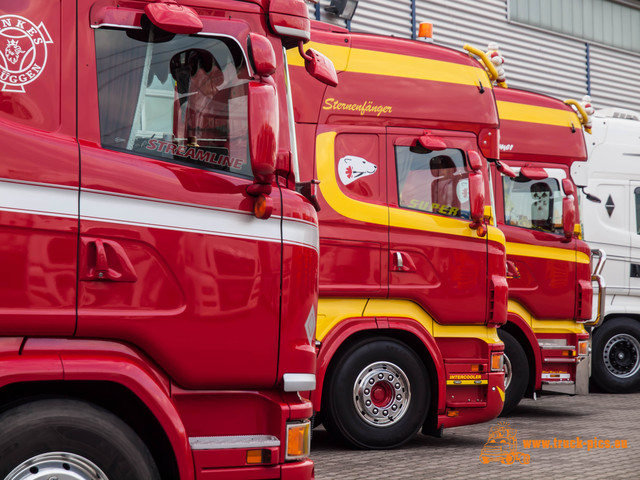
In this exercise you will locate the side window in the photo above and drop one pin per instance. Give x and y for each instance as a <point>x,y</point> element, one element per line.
<point>434,182</point>
<point>174,97</point>
<point>534,204</point>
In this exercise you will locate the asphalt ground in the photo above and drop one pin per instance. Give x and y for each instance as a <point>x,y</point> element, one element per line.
<point>577,440</point>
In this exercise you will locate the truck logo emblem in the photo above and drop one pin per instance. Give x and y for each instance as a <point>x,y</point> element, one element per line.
<point>352,168</point>
<point>610,206</point>
<point>23,52</point>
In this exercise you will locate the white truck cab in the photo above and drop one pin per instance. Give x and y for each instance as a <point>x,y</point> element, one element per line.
<point>611,222</point>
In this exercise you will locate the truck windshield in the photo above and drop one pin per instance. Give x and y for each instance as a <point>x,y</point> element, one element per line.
<point>176,97</point>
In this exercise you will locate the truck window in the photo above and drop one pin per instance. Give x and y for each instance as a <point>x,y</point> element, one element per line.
<point>434,182</point>
<point>534,204</point>
<point>175,97</point>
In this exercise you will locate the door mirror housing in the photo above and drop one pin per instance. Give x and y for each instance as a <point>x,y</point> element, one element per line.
<point>568,217</point>
<point>431,142</point>
<point>319,66</point>
<point>174,18</point>
<point>534,173</point>
<point>476,200</point>
<point>475,160</point>
<point>261,54</point>
<point>567,187</point>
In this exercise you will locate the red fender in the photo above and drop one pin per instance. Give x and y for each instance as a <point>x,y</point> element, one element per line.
<point>524,327</point>
<point>349,327</point>
<point>97,360</point>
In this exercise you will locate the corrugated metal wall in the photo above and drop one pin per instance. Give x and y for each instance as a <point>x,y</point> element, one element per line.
<point>536,60</point>
<point>615,78</point>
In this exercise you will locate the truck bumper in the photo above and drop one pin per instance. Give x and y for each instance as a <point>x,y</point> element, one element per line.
<point>482,404</point>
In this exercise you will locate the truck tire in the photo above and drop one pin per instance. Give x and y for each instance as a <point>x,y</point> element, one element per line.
<point>516,368</point>
<point>70,439</point>
<point>616,356</point>
<point>377,396</point>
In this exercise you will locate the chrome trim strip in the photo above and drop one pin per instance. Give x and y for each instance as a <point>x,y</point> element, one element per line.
<point>299,382</point>
<point>225,442</point>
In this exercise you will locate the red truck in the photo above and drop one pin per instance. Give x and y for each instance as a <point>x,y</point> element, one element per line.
<point>548,265</point>
<point>160,271</point>
<point>412,278</point>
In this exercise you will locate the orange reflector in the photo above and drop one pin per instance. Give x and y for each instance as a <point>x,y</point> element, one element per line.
<point>258,456</point>
<point>425,30</point>
<point>476,368</point>
<point>298,440</point>
<point>497,363</point>
<point>453,413</point>
<point>583,348</point>
<point>263,207</point>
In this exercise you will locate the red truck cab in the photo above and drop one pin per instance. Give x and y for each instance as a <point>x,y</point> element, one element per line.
<point>160,272</point>
<point>548,266</point>
<point>412,278</point>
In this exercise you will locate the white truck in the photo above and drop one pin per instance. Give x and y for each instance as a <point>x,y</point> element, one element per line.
<point>610,202</point>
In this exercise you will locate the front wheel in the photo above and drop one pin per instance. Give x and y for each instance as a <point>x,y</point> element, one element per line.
<point>616,356</point>
<point>516,371</point>
<point>69,439</point>
<point>377,395</point>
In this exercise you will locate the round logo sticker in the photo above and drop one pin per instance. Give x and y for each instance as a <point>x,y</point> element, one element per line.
<point>23,52</point>
<point>462,190</point>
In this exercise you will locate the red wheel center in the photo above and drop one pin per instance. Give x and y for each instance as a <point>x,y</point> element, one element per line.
<point>381,394</point>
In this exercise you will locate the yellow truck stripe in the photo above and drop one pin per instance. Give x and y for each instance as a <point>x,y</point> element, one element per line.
<point>521,112</point>
<point>357,60</point>
<point>549,253</point>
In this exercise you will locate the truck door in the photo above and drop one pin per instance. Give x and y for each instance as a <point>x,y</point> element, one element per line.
<point>634,220</point>
<point>38,170</point>
<point>172,258</point>
<point>541,262</point>
<point>435,257</point>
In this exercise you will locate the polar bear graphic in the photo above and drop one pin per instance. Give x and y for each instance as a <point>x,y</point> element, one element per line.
<point>351,168</point>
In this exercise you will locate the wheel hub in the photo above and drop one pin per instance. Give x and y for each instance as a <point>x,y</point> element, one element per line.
<point>621,355</point>
<point>57,466</point>
<point>381,394</point>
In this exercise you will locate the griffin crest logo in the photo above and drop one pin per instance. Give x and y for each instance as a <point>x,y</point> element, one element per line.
<point>23,52</point>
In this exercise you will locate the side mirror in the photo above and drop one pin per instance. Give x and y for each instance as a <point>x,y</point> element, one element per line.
<point>319,66</point>
<point>476,201</point>
<point>475,160</point>
<point>263,144</point>
<point>431,142</point>
<point>174,18</point>
<point>567,187</point>
<point>505,170</point>
<point>568,217</point>
<point>533,173</point>
<point>261,54</point>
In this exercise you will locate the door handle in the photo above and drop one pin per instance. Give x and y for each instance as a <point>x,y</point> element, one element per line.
<point>402,262</point>
<point>105,260</point>
<point>512,270</point>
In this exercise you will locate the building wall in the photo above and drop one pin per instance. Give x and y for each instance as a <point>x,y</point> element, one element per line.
<point>535,59</point>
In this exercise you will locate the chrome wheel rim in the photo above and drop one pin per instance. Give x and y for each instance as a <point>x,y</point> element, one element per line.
<point>508,372</point>
<point>58,466</point>
<point>381,394</point>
